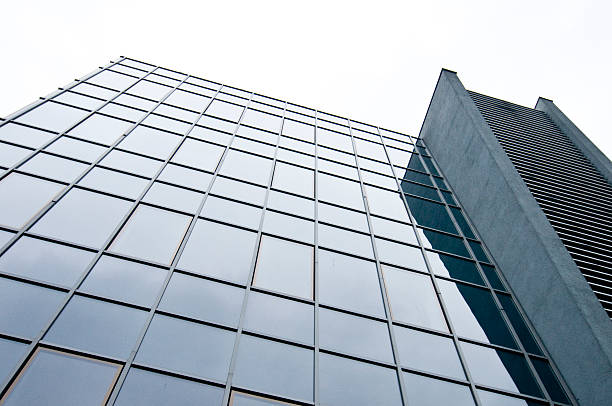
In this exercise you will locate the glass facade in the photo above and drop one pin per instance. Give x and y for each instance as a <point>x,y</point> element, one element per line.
<point>165,239</point>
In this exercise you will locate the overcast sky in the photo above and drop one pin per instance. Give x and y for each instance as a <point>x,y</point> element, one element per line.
<point>376,62</point>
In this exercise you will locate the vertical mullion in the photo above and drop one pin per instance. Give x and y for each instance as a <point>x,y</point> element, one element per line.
<point>317,394</point>
<point>34,343</point>
<point>432,277</point>
<point>492,292</point>
<point>381,282</point>
<point>232,366</point>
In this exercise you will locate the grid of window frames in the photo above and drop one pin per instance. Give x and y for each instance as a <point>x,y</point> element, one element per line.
<point>169,240</point>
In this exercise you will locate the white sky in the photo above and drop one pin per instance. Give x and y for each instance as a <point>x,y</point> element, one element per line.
<point>376,62</point>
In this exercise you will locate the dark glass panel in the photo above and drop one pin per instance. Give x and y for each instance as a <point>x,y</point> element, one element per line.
<point>518,323</point>
<point>474,313</point>
<point>430,214</point>
<point>550,381</point>
<point>443,242</point>
<point>457,268</point>
<point>420,190</point>
<point>492,276</point>
<point>478,251</point>
<point>465,228</point>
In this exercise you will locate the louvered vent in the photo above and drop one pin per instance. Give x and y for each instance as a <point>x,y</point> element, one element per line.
<point>576,199</point>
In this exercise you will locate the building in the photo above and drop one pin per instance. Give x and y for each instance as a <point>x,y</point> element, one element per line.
<point>165,239</point>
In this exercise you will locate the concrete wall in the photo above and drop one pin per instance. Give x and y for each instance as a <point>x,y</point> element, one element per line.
<point>568,318</point>
<point>590,151</point>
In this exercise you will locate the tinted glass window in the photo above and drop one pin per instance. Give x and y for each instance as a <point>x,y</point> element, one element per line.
<point>185,177</point>
<point>144,388</point>
<point>289,226</point>
<point>239,190</point>
<point>30,306</point>
<point>220,251</point>
<point>340,191</point>
<point>279,317</point>
<point>346,382</point>
<point>274,367</point>
<point>152,234</point>
<point>10,354</point>
<point>203,299</point>
<point>10,154</point>
<point>22,135</point>
<point>75,380</point>
<point>187,347</point>
<point>453,267</point>
<point>76,149</point>
<point>53,116</point>
<point>114,182</point>
<point>198,154</point>
<point>291,204</point>
<point>400,254</point>
<point>45,261</point>
<point>25,197</point>
<point>343,217</point>
<point>83,217</point>
<point>173,197</point>
<point>386,203</point>
<point>126,281</point>
<point>349,283</point>
<point>102,129</point>
<point>430,214</point>
<point>97,326</point>
<point>518,323</point>
<point>50,166</point>
<point>293,179</point>
<point>474,313</point>
<point>344,240</point>
<point>393,230</point>
<point>354,335</point>
<point>247,167</point>
<point>428,352</point>
<point>443,242</point>
<point>148,141</point>
<point>125,161</point>
<point>433,392</point>
<point>231,212</point>
<point>500,369</point>
<point>284,266</point>
<point>412,298</point>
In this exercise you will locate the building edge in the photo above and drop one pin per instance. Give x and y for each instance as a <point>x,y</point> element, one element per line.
<point>590,151</point>
<point>565,312</point>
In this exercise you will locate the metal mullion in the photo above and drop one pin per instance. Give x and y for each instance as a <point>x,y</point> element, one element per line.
<point>68,187</point>
<point>55,93</point>
<point>6,384</point>
<point>532,330</point>
<point>381,281</point>
<point>432,277</point>
<point>119,383</point>
<point>315,267</point>
<point>89,114</point>
<point>232,366</point>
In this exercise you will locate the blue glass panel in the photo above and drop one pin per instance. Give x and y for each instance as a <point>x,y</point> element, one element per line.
<point>430,214</point>
<point>457,268</point>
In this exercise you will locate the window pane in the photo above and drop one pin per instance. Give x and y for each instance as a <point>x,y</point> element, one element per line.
<point>400,254</point>
<point>126,281</point>
<point>5,236</point>
<point>97,326</point>
<point>269,366</point>
<point>74,381</point>
<point>239,191</point>
<point>453,267</point>
<point>500,369</point>
<point>83,217</point>
<point>347,382</point>
<point>173,197</point>
<point>241,165</point>
<point>52,116</point>
<point>428,352</point>
<point>203,299</point>
<point>76,149</point>
<point>144,388</point>
<point>279,317</point>
<point>293,179</point>
<point>31,307</point>
<point>152,234</point>
<point>349,283</point>
<point>344,240</point>
<point>430,214</point>
<point>339,191</point>
<point>127,162</point>
<point>412,299</point>
<point>102,129</point>
<point>45,261</point>
<point>186,177</point>
<point>147,141</point>
<point>386,203</point>
<point>114,182</point>
<point>443,242</point>
<point>10,154</point>
<point>354,335</point>
<point>394,230</point>
<point>27,196</point>
<point>187,347</point>
<point>291,204</point>
<point>10,354</point>
<point>284,266</point>
<point>220,251</point>
<point>210,135</point>
<point>112,79</point>
<point>517,321</point>
<point>433,392</point>
<point>224,110</point>
<point>289,226</point>
<point>343,217</point>
<point>495,399</point>
<point>231,212</point>
<point>22,135</point>
<point>198,154</point>
<point>550,381</point>
<point>243,399</point>
<point>474,314</point>
<point>50,166</point>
